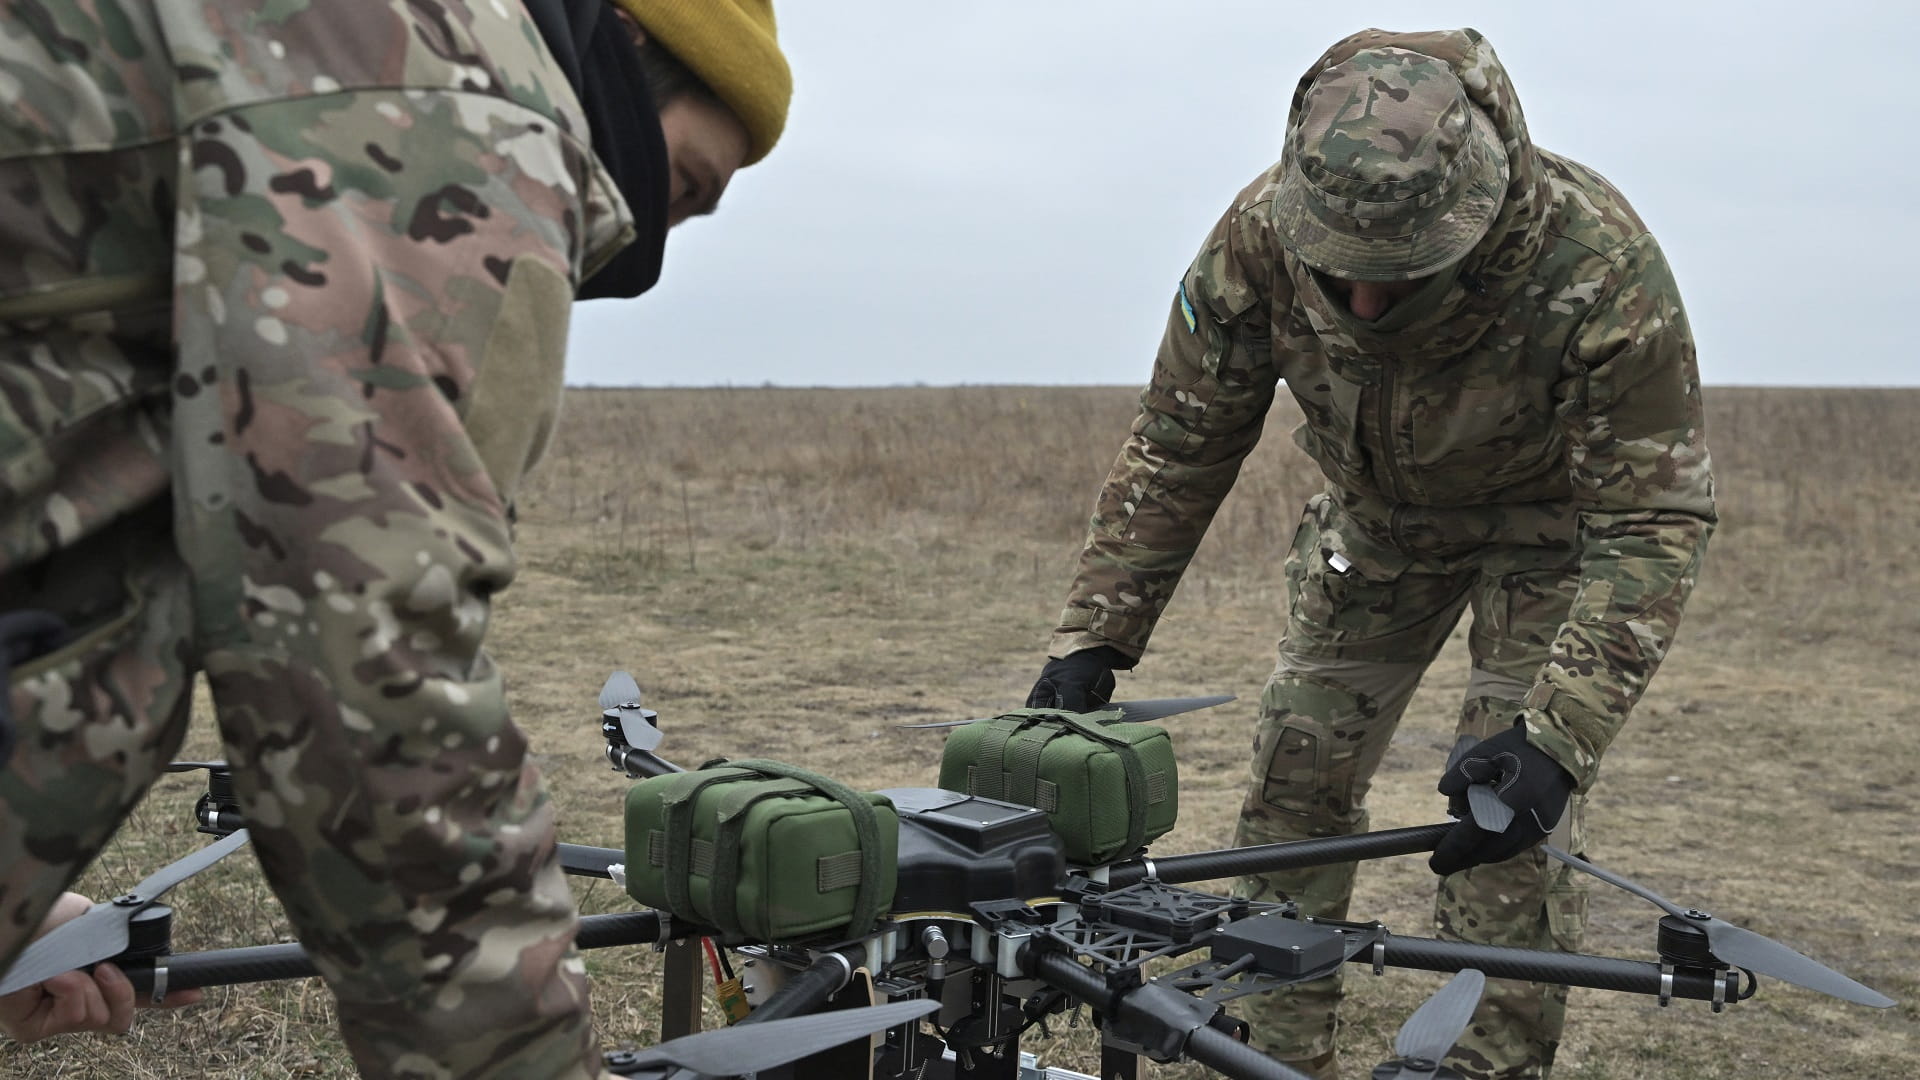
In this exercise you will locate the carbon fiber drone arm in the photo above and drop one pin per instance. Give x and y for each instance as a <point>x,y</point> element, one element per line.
<point>1291,855</point>
<point>268,963</point>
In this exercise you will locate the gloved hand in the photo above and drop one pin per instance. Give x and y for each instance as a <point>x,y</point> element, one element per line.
<point>1080,681</point>
<point>1524,777</point>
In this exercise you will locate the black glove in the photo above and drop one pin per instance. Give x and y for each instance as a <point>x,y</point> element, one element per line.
<point>1524,777</point>
<point>1080,681</point>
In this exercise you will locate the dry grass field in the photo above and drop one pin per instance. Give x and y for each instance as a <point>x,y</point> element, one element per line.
<point>794,573</point>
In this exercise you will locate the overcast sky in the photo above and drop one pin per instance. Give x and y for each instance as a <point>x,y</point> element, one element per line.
<point>1006,191</point>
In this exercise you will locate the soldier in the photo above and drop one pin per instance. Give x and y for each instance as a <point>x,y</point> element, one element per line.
<point>283,308</point>
<point>1499,384</point>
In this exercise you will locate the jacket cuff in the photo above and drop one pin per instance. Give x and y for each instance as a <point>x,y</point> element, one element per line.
<point>1089,628</point>
<point>1559,727</point>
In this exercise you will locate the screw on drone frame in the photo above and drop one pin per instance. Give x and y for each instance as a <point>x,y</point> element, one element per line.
<point>103,930</point>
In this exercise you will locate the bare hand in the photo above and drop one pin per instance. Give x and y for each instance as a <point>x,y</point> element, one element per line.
<point>77,1000</point>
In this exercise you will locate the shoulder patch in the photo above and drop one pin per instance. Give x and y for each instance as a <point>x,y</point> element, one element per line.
<point>1186,308</point>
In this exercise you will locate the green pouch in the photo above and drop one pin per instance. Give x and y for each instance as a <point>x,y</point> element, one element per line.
<point>762,851</point>
<point>1107,788</point>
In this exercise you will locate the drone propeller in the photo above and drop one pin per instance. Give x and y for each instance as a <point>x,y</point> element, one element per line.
<point>1735,945</point>
<point>189,766</point>
<point>1131,712</point>
<point>1433,1029</point>
<point>1740,947</point>
<point>1151,709</point>
<point>102,931</point>
<point>621,697</point>
<point>749,1048</point>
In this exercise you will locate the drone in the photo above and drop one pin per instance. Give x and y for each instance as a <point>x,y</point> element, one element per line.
<point>991,932</point>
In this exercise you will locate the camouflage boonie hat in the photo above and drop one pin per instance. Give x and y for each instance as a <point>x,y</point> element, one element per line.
<point>1393,171</point>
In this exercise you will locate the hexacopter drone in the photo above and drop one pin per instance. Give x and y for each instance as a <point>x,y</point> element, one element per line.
<point>965,915</point>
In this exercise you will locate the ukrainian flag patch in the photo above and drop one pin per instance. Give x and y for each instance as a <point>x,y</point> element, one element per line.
<point>1186,308</point>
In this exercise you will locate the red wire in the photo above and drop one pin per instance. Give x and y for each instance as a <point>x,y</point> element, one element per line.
<point>713,960</point>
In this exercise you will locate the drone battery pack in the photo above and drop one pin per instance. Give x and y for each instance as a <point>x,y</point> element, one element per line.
<point>1280,946</point>
<point>762,851</point>
<point>1107,788</point>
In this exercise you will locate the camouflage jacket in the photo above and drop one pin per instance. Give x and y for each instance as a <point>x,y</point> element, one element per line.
<point>1544,393</point>
<point>284,293</point>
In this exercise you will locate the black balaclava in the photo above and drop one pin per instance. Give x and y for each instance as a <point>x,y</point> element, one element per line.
<point>602,64</point>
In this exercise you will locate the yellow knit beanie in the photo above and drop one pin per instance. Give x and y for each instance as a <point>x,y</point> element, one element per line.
<point>730,44</point>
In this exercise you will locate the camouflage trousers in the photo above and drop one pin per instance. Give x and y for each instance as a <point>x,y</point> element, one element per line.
<point>1365,620</point>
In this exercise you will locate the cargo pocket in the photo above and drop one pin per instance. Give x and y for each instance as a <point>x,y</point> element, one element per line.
<point>1290,760</point>
<point>1306,539</point>
<point>1308,759</point>
<point>515,397</point>
<point>1567,910</point>
<point>1329,428</point>
<point>98,715</point>
<point>1341,598</point>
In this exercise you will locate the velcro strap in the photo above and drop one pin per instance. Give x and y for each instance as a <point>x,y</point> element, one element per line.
<point>700,854</point>
<point>723,888</point>
<point>1008,761</point>
<point>985,782</point>
<point>1136,774</point>
<point>866,831</point>
<point>837,871</point>
<point>677,802</point>
<point>1023,762</point>
<point>989,780</point>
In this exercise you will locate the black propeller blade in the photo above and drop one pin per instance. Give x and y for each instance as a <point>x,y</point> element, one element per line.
<point>1433,1028</point>
<point>1151,709</point>
<point>1735,945</point>
<point>621,697</point>
<point>102,931</point>
<point>1131,712</point>
<point>751,1048</point>
<point>189,766</point>
<point>1740,947</point>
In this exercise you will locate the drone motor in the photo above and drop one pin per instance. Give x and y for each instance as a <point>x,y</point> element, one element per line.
<point>1683,943</point>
